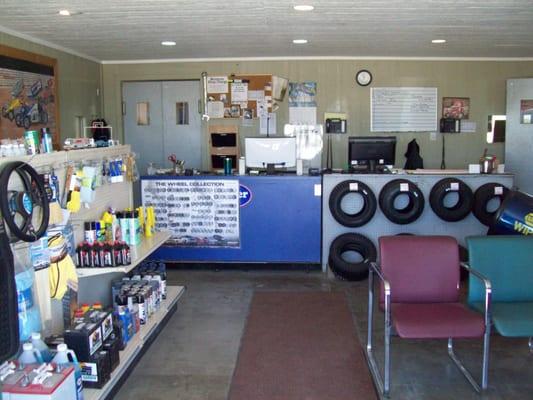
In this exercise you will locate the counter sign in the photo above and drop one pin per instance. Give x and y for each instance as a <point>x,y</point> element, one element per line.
<point>245,195</point>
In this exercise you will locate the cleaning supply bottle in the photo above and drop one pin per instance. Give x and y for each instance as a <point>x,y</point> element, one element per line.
<point>28,309</point>
<point>29,355</point>
<point>66,357</point>
<point>40,345</point>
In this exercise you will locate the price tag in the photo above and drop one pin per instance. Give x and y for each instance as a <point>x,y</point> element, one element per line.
<point>354,187</point>
<point>498,190</point>
<point>404,187</point>
<point>318,190</point>
<point>454,186</point>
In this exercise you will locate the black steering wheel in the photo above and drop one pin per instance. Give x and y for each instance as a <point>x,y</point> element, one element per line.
<point>24,206</point>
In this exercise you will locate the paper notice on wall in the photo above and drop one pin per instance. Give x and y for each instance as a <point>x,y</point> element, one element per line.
<point>239,92</point>
<point>261,108</point>
<point>468,126</point>
<point>302,115</point>
<point>267,124</point>
<point>215,109</point>
<point>256,95</point>
<point>198,212</point>
<point>217,84</point>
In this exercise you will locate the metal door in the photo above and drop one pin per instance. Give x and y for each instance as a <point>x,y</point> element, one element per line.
<point>143,126</point>
<point>181,121</point>
<point>519,133</point>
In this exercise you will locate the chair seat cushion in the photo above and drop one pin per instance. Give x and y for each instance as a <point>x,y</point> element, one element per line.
<point>436,321</point>
<point>513,319</point>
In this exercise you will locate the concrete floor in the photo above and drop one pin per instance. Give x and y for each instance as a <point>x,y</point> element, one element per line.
<point>194,356</point>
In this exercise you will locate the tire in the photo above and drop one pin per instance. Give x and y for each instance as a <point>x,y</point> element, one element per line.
<point>351,242</point>
<point>463,206</point>
<point>391,191</point>
<point>482,196</point>
<point>352,220</point>
<point>26,122</point>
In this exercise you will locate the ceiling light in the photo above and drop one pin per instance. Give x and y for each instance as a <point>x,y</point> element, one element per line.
<point>304,7</point>
<point>299,41</point>
<point>438,41</point>
<point>64,13</point>
<point>168,43</point>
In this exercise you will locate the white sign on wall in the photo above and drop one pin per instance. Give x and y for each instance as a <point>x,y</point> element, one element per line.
<point>198,212</point>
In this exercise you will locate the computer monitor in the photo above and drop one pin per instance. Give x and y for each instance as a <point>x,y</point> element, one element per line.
<point>371,152</point>
<point>276,152</point>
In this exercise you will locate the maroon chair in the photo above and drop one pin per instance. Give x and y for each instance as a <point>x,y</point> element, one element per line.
<point>420,296</point>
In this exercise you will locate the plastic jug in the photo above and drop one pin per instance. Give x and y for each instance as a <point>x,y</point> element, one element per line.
<point>67,357</point>
<point>28,310</point>
<point>29,355</point>
<point>40,345</point>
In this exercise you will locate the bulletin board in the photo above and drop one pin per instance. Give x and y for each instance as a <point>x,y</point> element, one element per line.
<point>237,96</point>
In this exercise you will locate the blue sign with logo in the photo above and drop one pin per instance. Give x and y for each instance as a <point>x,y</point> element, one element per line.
<point>245,195</point>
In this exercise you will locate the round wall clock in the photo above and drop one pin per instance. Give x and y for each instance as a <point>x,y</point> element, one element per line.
<point>363,77</point>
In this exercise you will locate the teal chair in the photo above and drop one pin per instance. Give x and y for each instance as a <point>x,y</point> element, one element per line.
<point>507,261</point>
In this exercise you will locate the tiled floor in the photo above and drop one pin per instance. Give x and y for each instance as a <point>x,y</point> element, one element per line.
<point>194,356</point>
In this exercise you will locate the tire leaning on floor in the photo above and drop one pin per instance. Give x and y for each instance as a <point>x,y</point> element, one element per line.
<point>351,271</point>
<point>482,196</point>
<point>391,191</point>
<point>352,220</point>
<point>458,211</point>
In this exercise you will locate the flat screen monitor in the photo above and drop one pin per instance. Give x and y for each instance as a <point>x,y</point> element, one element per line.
<point>369,152</point>
<point>277,151</point>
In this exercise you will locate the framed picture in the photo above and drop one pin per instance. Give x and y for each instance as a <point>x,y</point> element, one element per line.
<point>456,107</point>
<point>28,93</point>
<point>235,111</point>
<point>526,111</point>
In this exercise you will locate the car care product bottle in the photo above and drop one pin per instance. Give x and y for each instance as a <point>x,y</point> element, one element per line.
<point>66,358</point>
<point>29,355</point>
<point>40,345</point>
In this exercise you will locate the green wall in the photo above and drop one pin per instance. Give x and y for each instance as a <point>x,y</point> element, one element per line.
<point>482,81</point>
<point>78,82</point>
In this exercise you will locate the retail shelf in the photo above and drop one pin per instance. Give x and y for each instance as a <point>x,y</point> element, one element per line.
<point>127,357</point>
<point>138,254</point>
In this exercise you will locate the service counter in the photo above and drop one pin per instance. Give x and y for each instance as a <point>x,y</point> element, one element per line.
<point>237,219</point>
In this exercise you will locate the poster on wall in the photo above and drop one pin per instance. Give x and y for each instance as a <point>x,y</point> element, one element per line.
<point>27,97</point>
<point>199,213</point>
<point>526,111</point>
<point>302,103</point>
<point>456,107</point>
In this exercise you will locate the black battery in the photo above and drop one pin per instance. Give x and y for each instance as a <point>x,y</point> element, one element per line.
<point>96,372</point>
<point>112,346</point>
<point>104,318</point>
<point>85,339</point>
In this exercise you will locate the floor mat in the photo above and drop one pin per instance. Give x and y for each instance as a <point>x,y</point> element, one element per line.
<point>300,345</point>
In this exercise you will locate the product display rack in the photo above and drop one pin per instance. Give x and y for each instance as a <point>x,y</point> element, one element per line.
<point>134,348</point>
<point>138,254</point>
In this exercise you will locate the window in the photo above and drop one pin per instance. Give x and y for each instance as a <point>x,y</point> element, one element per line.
<point>143,113</point>
<point>182,113</point>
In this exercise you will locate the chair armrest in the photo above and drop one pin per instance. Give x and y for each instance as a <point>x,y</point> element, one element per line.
<point>374,267</point>
<point>488,289</point>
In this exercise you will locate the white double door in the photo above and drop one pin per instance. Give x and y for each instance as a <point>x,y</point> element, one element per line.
<point>161,118</point>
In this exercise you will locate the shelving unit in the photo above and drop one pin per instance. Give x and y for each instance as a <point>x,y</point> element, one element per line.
<point>223,142</point>
<point>140,340</point>
<point>138,254</point>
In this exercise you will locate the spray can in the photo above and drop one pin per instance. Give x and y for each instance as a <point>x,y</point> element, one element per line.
<point>46,141</point>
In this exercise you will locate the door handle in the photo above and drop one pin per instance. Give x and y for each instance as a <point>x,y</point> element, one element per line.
<point>123,108</point>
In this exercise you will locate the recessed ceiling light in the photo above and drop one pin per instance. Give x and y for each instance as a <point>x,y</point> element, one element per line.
<point>64,13</point>
<point>299,41</point>
<point>168,43</point>
<point>304,7</point>
<point>438,41</point>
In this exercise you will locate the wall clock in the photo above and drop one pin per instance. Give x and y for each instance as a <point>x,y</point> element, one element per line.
<point>363,77</point>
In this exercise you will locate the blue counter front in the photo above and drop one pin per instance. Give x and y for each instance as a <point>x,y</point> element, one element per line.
<point>280,222</point>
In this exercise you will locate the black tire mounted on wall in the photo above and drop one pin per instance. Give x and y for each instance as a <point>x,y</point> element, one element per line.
<point>463,206</point>
<point>482,196</point>
<point>351,242</point>
<point>357,219</point>
<point>391,191</point>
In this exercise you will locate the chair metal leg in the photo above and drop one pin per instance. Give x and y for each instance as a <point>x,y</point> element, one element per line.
<point>531,344</point>
<point>382,384</point>
<point>485,367</point>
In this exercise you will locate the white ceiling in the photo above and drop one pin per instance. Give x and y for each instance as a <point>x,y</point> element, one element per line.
<point>133,29</point>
